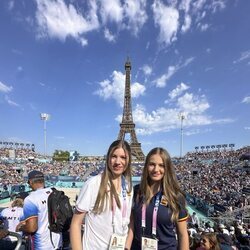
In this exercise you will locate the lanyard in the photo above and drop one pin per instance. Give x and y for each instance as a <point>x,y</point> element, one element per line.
<point>154,220</point>
<point>124,205</point>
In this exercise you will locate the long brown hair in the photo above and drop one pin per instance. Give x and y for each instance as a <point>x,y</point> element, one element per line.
<point>212,240</point>
<point>170,187</point>
<point>103,197</point>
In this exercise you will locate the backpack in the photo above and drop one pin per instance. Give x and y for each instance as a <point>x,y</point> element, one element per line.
<point>60,211</point>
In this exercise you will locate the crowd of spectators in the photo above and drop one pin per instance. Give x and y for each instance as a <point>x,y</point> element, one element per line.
<point>216,177</point>
<point>230,236</point>
<point>19,153</point>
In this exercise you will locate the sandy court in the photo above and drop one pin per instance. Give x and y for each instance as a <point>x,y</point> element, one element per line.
<point>71,193</point>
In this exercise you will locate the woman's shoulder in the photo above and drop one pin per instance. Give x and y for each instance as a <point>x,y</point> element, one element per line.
<point>94,180</point>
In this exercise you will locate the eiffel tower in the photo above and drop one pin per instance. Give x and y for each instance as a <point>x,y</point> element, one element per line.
<point>127,125</point>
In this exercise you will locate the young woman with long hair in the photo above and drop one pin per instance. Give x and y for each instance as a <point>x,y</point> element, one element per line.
<point>209,241</point>
<point>159,211</point>
<point>105,203</point>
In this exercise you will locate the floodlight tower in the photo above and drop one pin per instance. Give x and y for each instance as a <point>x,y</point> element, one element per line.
<point>45,117</point>
<point>181,117</point>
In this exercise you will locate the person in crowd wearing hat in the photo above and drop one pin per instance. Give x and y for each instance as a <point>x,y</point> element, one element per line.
<point>35,219</point>
<point>10,217</point>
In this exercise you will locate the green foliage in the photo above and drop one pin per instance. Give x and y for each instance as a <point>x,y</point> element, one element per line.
<point>60,155</point>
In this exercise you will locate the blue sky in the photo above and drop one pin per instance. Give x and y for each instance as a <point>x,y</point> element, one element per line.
<point>66,58</point>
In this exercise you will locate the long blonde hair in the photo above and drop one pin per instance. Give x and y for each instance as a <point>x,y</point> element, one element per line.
<point>103,197</point>
<point>170,187</point>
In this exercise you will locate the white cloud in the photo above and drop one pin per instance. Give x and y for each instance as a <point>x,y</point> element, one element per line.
<point>187,62</point>
<point>247,128</point>
<point>217,5</point>
<point>42,84</point>
<point>178,90</point>
<point>187,24</point>
<point>107,34</point>
<point>201,8</point>
<point>161,119</point>
<point>137,89</point>
<point>130,15</point>
<point>246,99</point>
<point>4,88</point>
<point>10,102</point>
<point>165,119</point>
<point>111,10</point>
<point>245,56</point>
<point>135,12</point>
<point>185,5</point>
<point>197,131</point>
<point>203,27</point>
<point>198,5</point>
<point>147,70</point>
<point>61,19</point>
<point>57,20</point>
<point>190,103</point>
<point>161,81</point>
<point>167,19</point>
<point>114,88</point>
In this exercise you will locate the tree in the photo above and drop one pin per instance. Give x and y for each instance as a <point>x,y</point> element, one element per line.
<point>60,155</point>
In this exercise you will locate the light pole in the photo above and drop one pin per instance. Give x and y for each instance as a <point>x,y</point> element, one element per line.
<point>181,117</point>
<point>45,117</point>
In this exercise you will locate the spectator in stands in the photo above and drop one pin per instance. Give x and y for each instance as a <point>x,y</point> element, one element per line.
<point>159,206</point>
<point>35,220</point>
<point>105,202</point>
<point>209,242</point>
<point>10,218</point>
<point>222,229</point>
<point>225,241</point>
<point>195,220</point>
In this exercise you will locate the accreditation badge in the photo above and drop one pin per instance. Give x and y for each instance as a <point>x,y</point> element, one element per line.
<point>149,243</point>
<point>117,242</point>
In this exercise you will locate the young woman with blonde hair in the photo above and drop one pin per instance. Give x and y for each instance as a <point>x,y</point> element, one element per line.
<point>159,210</point>
<point>105,203</point>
